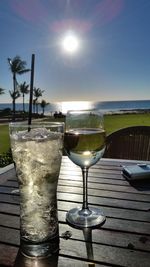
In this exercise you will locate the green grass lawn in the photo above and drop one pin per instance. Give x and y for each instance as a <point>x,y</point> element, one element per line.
<point>112,123</point>
<point>115,122</point>
<point>4,138</point>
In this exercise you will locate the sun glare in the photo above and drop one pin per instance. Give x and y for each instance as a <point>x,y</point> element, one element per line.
<point>70,43</point>
<point>75,105</point>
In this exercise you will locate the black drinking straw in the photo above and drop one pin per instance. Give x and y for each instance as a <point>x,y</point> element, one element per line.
<point>31,90</point>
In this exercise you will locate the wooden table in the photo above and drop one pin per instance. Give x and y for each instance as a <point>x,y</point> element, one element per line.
<point>124,240</point>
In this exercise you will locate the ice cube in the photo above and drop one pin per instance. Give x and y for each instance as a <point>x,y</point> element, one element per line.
<point>36,134</point>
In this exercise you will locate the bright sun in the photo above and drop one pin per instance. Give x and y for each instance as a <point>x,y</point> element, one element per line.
<point>70,43</point>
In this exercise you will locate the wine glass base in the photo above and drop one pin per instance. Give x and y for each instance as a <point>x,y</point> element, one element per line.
<point>79,218</point>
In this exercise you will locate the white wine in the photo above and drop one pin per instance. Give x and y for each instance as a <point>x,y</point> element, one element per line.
<point>85,146</point>
<point>84,143</point>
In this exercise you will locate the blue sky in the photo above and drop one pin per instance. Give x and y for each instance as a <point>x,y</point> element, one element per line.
<point>113,60</point>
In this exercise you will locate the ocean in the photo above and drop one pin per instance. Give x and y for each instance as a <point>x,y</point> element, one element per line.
<point>107,106</point>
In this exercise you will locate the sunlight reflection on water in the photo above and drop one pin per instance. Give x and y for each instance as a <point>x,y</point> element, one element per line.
<point>76,105</point>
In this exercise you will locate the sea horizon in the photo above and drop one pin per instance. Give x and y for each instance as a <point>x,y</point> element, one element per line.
<point>64,106</point>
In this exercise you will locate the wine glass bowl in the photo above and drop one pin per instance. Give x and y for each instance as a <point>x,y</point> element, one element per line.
<point>84,144</point>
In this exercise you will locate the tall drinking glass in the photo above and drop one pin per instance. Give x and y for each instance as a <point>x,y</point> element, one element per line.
<point>37,153</point>
<point>84,144</point>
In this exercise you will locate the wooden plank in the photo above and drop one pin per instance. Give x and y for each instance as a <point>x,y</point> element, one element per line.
<point>75,187</point>
<point>9,221</point>
<point>110,224</point>
<point>77,172</point>
<point>95,172</point>
<point>6,175</point>
<point>9,198</point>
<point>107,254</point>
<point>125,188</point>
<point>110,181</point>
<point>8,190</point>
<point>11,183</point>
<point>65,206</point>
<point>96,178</point>
<point>7,255</point>
<point>107,162</point>
<point>99,236</point>
<point>10,208</point>
<point>60,261</point>
<point>111,212</point>
<point>101,165</point>
<point>98,165</point>
<point>9,236</point>
<point>128,226</point>
<point>78,177</point>
<point>120,225</point>
<point>107,237</point>
<point>69,165</point>
<point>53,261</point>
<point>110,190</point>
<point>104,201</point>
<point>11,251</point>
<point>93,200</point>
<point>93,179</point>
<point>101,253</point>
<point>103,192</point>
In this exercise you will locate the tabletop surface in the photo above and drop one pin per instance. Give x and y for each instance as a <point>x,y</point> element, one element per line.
<point>124,239</point>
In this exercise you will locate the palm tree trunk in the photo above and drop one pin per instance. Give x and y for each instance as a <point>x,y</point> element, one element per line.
<point>14,112</point>
<point>37,108</point>
<point>34,108</point>
<point>14,104</point>
<point>23,104</point>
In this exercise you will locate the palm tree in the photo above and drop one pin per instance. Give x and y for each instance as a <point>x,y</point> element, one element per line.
<point>37,92</point>
<point>2,91</point>
<point>17,66</point>
<point>24,89</point>
<point>43,105</point>
<point>14,95</point>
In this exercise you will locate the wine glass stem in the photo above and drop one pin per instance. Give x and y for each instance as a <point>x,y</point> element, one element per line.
<point>85,188</point>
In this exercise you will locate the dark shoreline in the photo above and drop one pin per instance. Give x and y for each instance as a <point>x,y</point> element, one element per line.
<point>8,119</point>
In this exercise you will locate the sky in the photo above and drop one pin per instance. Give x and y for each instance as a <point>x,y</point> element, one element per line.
<point>112,61</point>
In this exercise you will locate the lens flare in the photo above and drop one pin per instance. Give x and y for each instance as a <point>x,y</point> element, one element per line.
<point>70,43</point>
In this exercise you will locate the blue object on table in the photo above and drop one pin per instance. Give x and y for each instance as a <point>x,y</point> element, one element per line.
<point>136,172</point>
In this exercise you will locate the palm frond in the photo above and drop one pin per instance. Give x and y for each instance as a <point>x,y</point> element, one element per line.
<point>17,65</point>
<point>2,91</point>
<point>23,71</point>
<point>14,95</point>
<point>24,88</point>
<point>44,103</point>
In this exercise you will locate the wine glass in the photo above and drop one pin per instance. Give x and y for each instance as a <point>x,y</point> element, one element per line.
<point>84,144</point>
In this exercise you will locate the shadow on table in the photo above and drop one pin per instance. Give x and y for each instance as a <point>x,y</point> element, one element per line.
<point>141,185</point>
<point>87,232</point>
<point>22,261</point>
